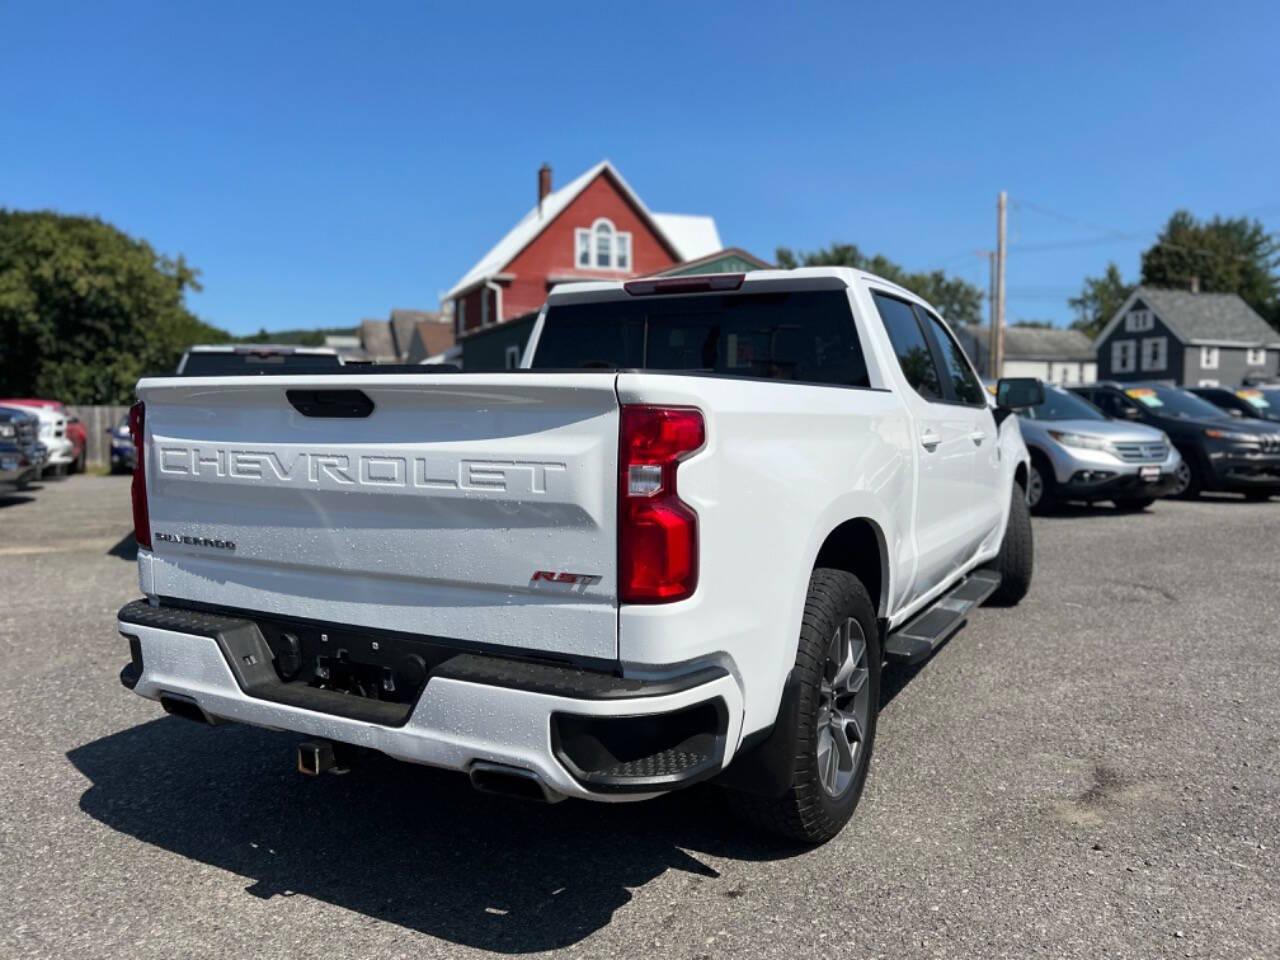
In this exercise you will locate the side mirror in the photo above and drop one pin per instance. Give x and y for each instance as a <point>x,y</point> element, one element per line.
<point>1017,393</point>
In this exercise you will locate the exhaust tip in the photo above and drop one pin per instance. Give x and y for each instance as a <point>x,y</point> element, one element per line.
<point>186,708</point>
<point>508,781</point>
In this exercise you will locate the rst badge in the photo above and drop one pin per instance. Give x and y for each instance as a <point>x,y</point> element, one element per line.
<point>571,580</point>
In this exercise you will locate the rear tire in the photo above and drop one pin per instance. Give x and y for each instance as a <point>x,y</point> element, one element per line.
<point>1017,554</point>
<point>838,673</point>
<point>1134,503</point>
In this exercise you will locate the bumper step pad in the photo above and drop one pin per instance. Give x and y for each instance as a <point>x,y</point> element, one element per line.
<point>923,634</point>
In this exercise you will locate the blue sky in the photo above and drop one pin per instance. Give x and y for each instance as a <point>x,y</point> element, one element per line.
<point>324,162</point>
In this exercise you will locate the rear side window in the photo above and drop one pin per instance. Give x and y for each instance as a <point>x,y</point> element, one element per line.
<point>806,336</point>
<point>909,343</point>
<point>964,384</point>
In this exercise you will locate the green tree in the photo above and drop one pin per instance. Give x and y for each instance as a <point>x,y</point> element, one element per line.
<point>1099,299</point>
<point>85,309</point>
<point>957,300</point>
<point>1234,255</point>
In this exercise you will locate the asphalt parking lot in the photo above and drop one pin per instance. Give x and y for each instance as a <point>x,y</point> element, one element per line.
<point>1095,773</point>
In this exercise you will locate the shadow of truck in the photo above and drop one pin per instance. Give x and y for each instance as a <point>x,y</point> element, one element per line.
<point>404,844</point>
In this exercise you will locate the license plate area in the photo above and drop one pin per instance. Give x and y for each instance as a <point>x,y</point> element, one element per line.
<point>384,667</point>
<point>1149,474</point>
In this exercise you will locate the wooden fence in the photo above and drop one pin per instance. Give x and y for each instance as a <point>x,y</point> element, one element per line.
<point>97,421</point>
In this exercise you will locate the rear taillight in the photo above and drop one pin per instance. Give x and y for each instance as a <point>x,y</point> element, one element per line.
<point>141,521</point>
<point>657,531</point>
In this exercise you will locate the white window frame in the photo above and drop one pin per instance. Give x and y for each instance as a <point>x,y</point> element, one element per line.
<point>1124,355</point>
<point>1160,353</point>
<point>1139,321</point>
<point>617,238</point>
<point>1209,358</point>
<point>513,357</point>
<point>1256,357</point>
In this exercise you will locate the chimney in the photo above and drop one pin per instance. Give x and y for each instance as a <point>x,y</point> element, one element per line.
<point>1195,284</point>
<point>544,184</point>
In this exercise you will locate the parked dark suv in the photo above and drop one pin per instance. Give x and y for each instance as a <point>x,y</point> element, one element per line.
<point>1251,403</point>
<point>1219,452</point>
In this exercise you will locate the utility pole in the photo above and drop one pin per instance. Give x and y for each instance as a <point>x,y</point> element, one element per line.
<point>989,367</point>
<point>997,323</point>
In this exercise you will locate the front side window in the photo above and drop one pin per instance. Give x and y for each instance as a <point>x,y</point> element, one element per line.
<point>622,245</point>
<point>583,241</point>
<point>1256,357</point>
<point>1209,358</point>
<point>909,343</point>
<point>963,380</point>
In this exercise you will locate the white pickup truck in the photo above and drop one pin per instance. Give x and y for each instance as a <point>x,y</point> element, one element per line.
<point>678,544</point>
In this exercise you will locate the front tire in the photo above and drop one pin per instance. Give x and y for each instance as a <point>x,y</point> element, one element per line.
<point>1017,554</point>
<point>1041,485</point>
<point>1187,482</point>
<point>838,675</point>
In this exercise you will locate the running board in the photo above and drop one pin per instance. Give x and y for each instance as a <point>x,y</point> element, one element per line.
<point>928,630</point>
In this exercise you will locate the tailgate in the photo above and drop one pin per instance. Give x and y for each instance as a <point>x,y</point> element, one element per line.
<point>431,515</point>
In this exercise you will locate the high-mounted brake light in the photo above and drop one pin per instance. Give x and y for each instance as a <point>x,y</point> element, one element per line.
<point>707,283</point>
<point>141,519</point>
<point>657,531</point>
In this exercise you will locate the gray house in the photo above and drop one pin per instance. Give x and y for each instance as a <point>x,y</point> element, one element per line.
<point>1187,338</point>
<point>1051,354</point>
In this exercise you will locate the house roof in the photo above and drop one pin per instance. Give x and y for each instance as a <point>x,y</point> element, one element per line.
<point>688,236</point>
<point>430,337</point>
<point>376,338</point>
<point>1207,316</point>
<point>724,254</point>
<point>1038,343</point>
<point>402,324</point>
<point>1221,318</point>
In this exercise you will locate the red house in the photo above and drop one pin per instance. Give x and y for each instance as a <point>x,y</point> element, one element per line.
<point>593,228</point>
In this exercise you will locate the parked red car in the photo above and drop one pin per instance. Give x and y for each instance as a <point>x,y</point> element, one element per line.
<point>76,432</point>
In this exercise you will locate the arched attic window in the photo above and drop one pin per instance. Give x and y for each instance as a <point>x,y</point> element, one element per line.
<point>602,247</point>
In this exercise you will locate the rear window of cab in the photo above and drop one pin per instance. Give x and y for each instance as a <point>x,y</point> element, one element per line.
<point>806,336</point>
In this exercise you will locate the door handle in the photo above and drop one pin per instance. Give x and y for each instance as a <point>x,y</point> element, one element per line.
<point>929,439</point>
<point>977,437</point>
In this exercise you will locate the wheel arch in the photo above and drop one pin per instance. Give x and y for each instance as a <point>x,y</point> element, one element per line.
<point>858,546</point>
<point>1020,471</point>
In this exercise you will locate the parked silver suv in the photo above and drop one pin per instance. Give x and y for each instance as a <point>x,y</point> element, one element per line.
<point>1078,453</point>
